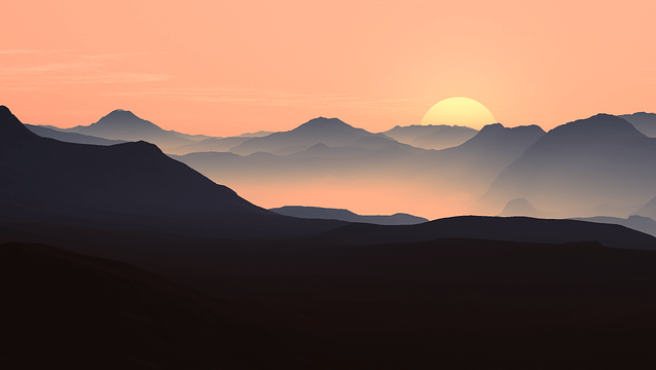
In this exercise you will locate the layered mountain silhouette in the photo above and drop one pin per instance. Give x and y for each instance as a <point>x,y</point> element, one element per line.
<point>346,215</point>
<point>578,168</point>
<point>431,136</point>
<point>643,122</point>
<point>131,184</point>
<point>70,137</point>
<point>125,125</point>
<point>648,210</point>
<point>644,224</point>
<point>372,165</point>
<point>515,229</point>
<point>329,131</point>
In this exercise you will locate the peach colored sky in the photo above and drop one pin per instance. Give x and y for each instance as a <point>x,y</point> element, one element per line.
<point>227,67</point>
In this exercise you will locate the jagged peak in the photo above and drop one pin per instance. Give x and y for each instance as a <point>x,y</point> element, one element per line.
<point>11,128</point>
<point>601,123</point>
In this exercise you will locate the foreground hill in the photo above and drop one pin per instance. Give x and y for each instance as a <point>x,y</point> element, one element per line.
<point>284,305</point>
<point>580,167</point>
<point>515,229</point>
<point>346,215</point>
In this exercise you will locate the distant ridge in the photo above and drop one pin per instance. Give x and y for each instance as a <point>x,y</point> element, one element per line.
<point>329,131</point>
<point>71,137</point>
<point>346,215</point>
<point>643,122</point>
<point>579,166</point>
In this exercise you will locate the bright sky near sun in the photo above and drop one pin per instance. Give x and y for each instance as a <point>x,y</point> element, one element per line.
<point>227,67</point>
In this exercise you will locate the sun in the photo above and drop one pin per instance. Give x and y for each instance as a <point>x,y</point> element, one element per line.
<point>459,111</point>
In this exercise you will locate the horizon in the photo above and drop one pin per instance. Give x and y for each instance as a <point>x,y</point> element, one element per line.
<point>224,69</point>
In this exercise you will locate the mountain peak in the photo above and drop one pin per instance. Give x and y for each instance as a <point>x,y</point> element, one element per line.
<point>323,122</point>
<point>11,128</point>
<point>601,124</point>
<point>123,118</point>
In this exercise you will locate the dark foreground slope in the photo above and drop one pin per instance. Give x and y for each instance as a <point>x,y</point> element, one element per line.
<point>64,310</point>
<point>444,304</point>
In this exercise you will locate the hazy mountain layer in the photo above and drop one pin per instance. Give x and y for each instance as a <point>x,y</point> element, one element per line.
<point>375,174</point>
<point>71,137</point>
<point>132,184</point>
<point>125,125</point>
<point>329,131</point>
<point>643,122</point>
<point>580,169</point>
<point>346,215</point>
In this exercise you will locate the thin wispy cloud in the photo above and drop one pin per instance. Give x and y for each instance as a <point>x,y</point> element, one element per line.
<point>278,98</point>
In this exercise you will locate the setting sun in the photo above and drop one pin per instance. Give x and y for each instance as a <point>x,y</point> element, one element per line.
<point>460,112</point>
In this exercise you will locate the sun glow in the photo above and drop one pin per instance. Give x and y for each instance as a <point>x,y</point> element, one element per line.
<point>459,111</point>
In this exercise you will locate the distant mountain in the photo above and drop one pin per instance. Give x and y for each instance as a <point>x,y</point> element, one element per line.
<point>515,229</point>
<point>643,224</point>
<point>578,167</point>
<point>648,210</point>
<point>374,167</point>
<point>208,145</point>
<point>329,131</point>
<point>521,207</point>
<point>71,137</point>
<point>406,134</point>
<point>643,122</point>
<point>346,215</point>
<point>445,137</point>
<point>130,184</point>
<point>125,125</point>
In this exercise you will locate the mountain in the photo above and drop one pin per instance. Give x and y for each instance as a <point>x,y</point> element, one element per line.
<point>643,122</point>
<point>125,125</point>
<point>372,172</point>
<point>330,131</point>
<point>70,137</point>
<point>644,224</point>
<point>44,180</point>
<point>514,229</point>
<point>521,207</point>
<point>208,145</point>
<point>406,134</point>
<point>445,137</point>
<point>579,166</point>
<point>648,210</point>
<point>346,215</point>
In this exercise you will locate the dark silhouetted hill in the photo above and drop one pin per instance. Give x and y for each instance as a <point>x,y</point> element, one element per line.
<point>71,137</point>
<point>130,184</point>
<point>643,122</point>
<point>578,167</point>
<point>330,131</point>
<point>639,223</point>
<point>516,229</point>
<point>346,215</point>
<point>66,310</point>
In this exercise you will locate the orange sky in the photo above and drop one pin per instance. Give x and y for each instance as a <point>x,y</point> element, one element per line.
<point>228,67</point>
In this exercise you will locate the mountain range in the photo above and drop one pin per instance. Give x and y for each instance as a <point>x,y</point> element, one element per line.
<point>580,169</point>
<point>178,271</point>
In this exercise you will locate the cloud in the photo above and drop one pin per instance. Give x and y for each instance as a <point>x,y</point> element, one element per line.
<point>18,51</point>
<point>279,98</point>
<point>83,69</point>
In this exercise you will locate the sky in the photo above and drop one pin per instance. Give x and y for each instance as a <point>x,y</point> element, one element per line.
<point>227,67</point>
